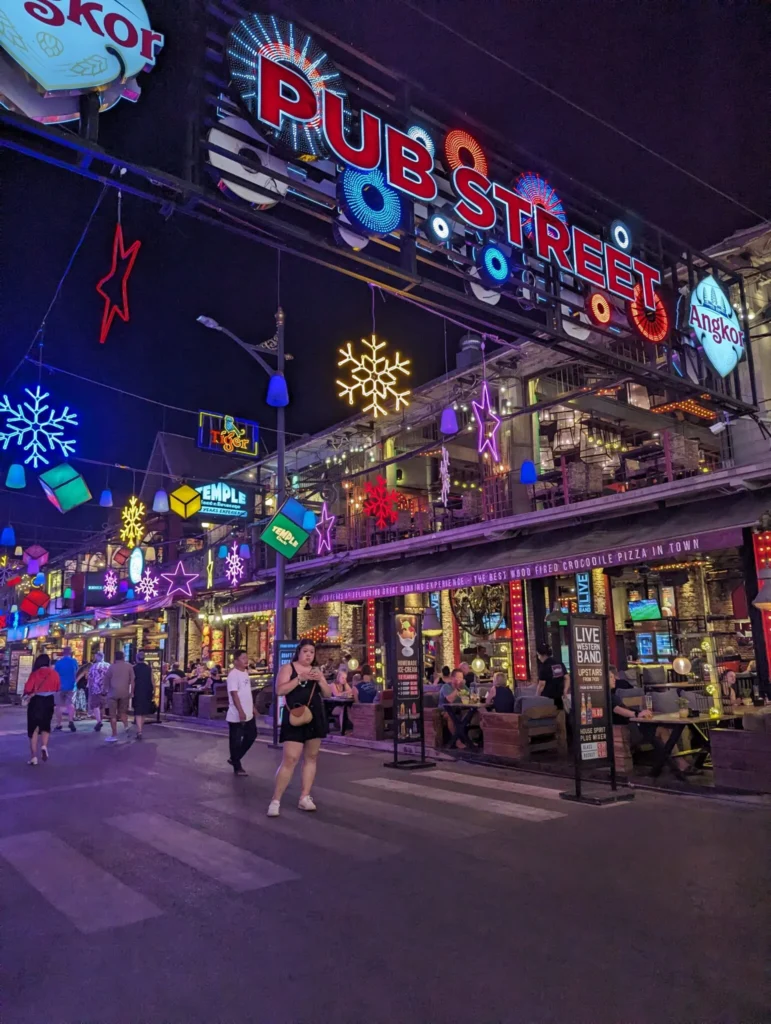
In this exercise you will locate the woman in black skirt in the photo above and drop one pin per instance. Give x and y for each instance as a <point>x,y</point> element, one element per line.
<point>301,683</point>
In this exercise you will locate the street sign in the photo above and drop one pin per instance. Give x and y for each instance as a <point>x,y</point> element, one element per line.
<point>284,536</point>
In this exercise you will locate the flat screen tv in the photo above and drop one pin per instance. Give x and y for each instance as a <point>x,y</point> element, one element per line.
<point>644,611</point>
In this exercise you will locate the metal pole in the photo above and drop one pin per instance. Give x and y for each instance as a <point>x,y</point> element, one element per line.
<point>278,631</point>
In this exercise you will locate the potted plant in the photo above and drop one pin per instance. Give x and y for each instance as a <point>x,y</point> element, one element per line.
<point>682,703</point>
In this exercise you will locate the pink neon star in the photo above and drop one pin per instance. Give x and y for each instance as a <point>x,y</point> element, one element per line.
<point>324,530</point>
<point>488,423</point>
<point>180,581</point>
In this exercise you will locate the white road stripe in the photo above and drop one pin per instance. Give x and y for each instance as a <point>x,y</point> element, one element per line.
<point>312,830</point>
<point>54,790</point>
<point>90,897</point>
<point>471,800</point>
<point>218,733</point>
<point>422,821</point>
<point>502,786</point>
<point>238,869</point>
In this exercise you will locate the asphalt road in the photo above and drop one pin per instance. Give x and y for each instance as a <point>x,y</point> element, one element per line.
<point>143,883</point>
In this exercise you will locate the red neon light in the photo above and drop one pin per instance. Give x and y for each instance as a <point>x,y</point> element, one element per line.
<point>653,325</point>
<point>457,142</point>
<point>598,309</point>
<point>127,258</point>
<point>371,634</point>
<point>518,633</point>
<point>380,503</point>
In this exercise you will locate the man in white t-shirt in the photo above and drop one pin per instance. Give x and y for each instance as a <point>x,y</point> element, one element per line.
<point>240,716</point>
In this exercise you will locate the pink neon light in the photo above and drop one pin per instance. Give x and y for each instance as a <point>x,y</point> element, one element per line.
<point>324,531</point>
<point>488,424</point>
<point>180,581</point>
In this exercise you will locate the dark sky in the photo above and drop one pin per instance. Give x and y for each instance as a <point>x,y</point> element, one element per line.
<point>686,78</point>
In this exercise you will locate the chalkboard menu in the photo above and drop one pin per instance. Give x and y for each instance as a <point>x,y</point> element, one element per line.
<point>592,727</point>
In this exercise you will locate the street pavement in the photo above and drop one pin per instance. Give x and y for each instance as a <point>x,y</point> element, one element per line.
<point>141,883</point>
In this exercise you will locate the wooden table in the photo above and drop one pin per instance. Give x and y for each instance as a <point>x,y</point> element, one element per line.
<point>461,715</point>
<point>676,724</point>
<point>330,703</point>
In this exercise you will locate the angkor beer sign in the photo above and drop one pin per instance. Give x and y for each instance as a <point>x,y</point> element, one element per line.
<point>297,98</point>
<point>715,325</point>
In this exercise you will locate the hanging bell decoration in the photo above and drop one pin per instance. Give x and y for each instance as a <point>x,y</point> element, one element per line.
<point>161,501</point>
<point>106,498</point>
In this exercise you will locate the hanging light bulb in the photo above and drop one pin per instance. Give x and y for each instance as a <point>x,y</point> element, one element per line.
<point>161,501</point>
<point>16,479</point>
<point>8,537</point>
<point>278,393</point>
<point>106,499</point>
<point>449,422</point>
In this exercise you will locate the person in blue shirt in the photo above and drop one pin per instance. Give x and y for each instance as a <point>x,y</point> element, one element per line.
<point>367,689</point>
<point>67,669</point>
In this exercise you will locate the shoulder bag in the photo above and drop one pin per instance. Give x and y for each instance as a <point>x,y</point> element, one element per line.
<point>302,714</point>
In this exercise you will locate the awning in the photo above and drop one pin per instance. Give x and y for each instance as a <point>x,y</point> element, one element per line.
<point>647,536</point>
<point>132,607</point>
<point>264,600</point>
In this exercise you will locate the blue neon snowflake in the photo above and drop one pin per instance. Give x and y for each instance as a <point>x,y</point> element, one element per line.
<point>37,428</point>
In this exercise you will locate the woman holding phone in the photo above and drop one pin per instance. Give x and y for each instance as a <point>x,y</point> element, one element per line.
<point>303,723</point>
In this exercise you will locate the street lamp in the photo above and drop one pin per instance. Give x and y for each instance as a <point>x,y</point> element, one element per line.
<point>278,398</point>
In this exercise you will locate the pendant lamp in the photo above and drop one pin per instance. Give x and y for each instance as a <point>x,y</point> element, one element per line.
<point>449,422</point>
<point>16,478</point>
<point>67,593</point>
<point>8,537</point>
<point>763,598</point>
<point>223,551</point>
<point>106,498</point>
<point>431,624</point>
<point>18,551</point>
<point>309,520</point>
<point>527,472</point>
<point>161,501</point>
<point>33,566</point>
<point>244,551</point>
<point>278,394</point>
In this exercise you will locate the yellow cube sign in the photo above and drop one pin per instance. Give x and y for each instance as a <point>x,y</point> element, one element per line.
<point>185,501</point>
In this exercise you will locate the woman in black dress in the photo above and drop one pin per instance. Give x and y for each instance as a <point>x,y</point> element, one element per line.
<point>143,692</point>
<point>301,683</point>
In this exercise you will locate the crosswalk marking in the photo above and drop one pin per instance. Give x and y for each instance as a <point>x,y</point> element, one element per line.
<point>53,790</point>
<point>316,831</point>
<point>238,869</point>
<point>90,897</point>
<point>422,821</point>
<point>502,786</point>
<point>471,800</point>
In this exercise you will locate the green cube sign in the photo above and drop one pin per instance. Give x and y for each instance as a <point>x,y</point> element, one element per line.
<point>284,536</point>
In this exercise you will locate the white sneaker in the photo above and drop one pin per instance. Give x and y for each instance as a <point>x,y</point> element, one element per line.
<point>32,761</point>
<point>44,752</point>
<point>111,739</point>
<point>306,804</point>
<point>274,808</point>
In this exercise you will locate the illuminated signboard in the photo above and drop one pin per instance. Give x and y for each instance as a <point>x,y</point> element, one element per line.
<point>68,47</point>
<point>223,500</point>
<point>218,432</point>
<point>715,325</point>
<point>584,593</point>
<point>284,536</point>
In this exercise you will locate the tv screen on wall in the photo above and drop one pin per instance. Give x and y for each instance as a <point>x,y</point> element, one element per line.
<point>644,611</point>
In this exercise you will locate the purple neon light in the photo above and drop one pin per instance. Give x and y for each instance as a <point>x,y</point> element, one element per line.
<point>488,425</point>
<point>324,531</point>
<point>180,581</point>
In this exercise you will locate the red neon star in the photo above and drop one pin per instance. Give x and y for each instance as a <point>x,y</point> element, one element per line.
<point>127,258</point>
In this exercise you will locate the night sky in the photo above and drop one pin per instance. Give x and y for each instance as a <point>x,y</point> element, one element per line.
<point>684,78</point>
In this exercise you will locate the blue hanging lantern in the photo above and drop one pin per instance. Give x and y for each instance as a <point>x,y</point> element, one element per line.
<point>8,537</point>
<point>39,580</point>
<point>161,501</point>
<point>244,551</point>
<point>67,593</point>
<point>309,521</point>
<point>278,393</point>
<point>449,421</point>
<point>106,499</point>
<point>223,551</point>
<point>130,594</point>
<point>41,611</point>
<point>527,472</point>
<point>16,479</point>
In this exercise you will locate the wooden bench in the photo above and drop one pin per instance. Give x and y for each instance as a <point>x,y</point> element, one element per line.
<point>741,758</point>
<point>520,736</point>
<point>622,750</point>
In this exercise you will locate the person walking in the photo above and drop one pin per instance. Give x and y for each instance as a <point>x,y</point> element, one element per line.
<point>143,692</point>
<point>97,689</point>
<point>40,689</point>
<point>67,669</point>
<point>119,683</point>
<point>303,684</point>
<point>240,715</point>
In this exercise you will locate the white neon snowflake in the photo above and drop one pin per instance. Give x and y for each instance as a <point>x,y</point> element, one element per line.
<point>110,585</point>
<point>235,565</point>
<point>147,586</point>
<point>444,475</point>
<point>375,376</point>
<point>133,516</point>
<point>37,428</point>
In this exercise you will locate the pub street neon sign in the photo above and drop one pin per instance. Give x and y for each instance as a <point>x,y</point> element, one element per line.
<point>288,95</point>
<point>223,433</point>
<point>222,499</point>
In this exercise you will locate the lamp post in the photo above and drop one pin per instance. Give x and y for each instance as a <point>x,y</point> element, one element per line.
<point>278,397</point>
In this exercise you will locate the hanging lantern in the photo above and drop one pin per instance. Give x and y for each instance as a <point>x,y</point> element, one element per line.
<point>309,521</point>
<point>16,478</point>
<point>763,598</point>
<point>527,472</point>
<point>161,501</point>
<point>449,421</point>
<point>67,593</point>
<point>185,501</point>
<point>106,498</point>
<point>223,551</point>
<point>353,664</point>
<point>35,601</point>
<point>64,487</point>
<point>245,551</point>
<point>478,665</point>
<point>8,537</point>
<point>18,551</point>
<point>37,553</point>
<point>278,394</point>
<point>33,566</point>
<point>39,579</point>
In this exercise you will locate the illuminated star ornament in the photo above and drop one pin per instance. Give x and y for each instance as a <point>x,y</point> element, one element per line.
<point>180,581</point>
<point>234,568</point>
<point>126,258</point>
<point>324,531</point>
<point>488,425</point>
<point>375,376</point>
<point>380,503</point>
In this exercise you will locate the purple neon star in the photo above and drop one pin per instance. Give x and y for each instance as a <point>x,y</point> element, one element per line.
<point>488,423</point>
<point>324,531</point>
<point>180,581</point>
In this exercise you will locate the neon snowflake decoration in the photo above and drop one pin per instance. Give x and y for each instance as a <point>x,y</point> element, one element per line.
<point>8,570</point>
<point>444,475</point>
<point>110,585</point>
<point>133,516</point>
<point>37,428</point>
<point>234,567</point>
<point>380,503</point>
<point>147,586</point>
<point>375,376</point>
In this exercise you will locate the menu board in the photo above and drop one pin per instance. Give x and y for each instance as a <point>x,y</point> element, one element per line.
<point>593,735</point>
<point>408,684</point>
<point>21,668</point>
